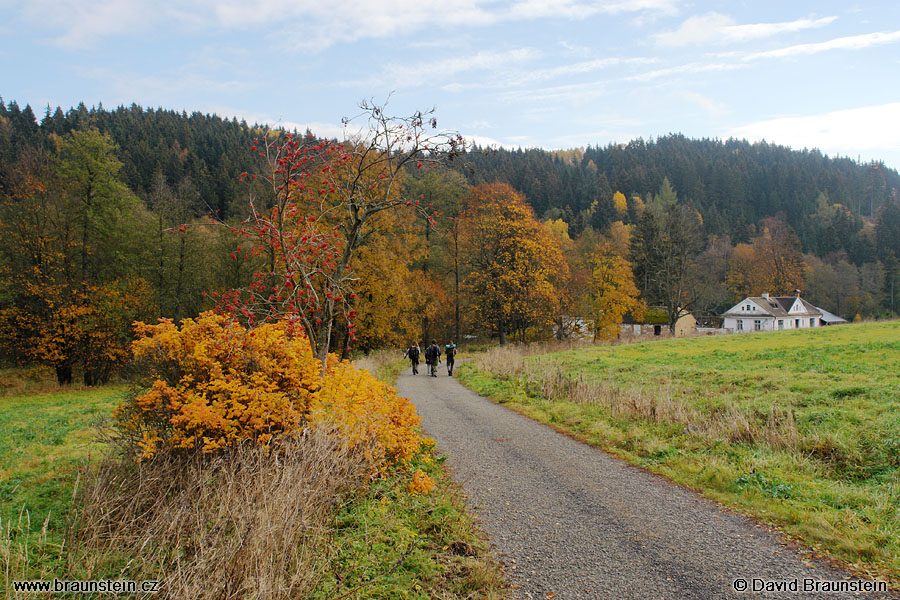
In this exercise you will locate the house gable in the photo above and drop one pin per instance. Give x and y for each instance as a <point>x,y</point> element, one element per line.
<point>795,306</point>
<point>750,307</point>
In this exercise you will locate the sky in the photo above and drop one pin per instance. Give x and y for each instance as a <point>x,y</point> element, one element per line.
<point>553,74</point>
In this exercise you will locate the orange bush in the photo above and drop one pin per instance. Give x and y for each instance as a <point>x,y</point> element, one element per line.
<point>213,384</point>
<point>364,410</point>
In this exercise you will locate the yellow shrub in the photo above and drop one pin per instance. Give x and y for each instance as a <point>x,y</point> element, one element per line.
<point>364,410</point>
<point>213,383</point>
<point>420,483</point>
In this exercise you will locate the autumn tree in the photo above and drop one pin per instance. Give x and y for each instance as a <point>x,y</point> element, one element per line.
<point>388,289</point>
<point>439,262</point>
<point>323,200</point>
<point>835,287</point>
<point>513,263</point>
<point>613,292</point>
<point>707,276</point>
<point>771,263</point>
<point>71,229</point>
<point>620,202</point>
<point>573,309</point>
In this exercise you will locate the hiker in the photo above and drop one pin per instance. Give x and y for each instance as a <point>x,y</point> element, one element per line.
<point>412,353</point>
<point>450,353</point>
<point>433,357</point>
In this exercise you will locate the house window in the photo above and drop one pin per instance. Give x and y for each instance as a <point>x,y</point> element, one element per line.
<point>740,325</point>
<point>780,323</point>
<point>757,324</point>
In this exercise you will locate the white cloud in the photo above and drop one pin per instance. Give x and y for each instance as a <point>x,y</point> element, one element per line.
<point>323,130</point>
<point>853,42</point>
<point>717,28</point>
<point>686,68</point>
<point>311,24</point>
<point>577,68</point>
<point>488,142</point>
<point>545,97</point>
<point>866,129</point>
<point>84,21</point>
<point>406,76</point>
<point>579,9</point>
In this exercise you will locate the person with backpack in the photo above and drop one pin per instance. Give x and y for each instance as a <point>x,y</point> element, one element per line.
<point>433,357</point>
<point>450,353</point>
<point>412,353</point>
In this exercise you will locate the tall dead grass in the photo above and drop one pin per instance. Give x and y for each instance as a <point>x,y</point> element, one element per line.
<point>378,362</point>
<point>554,382</point>
<point>250,523</point>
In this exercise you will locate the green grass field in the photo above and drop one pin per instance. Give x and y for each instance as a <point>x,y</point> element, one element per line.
<point>48,433</point>
<point>800,428</point>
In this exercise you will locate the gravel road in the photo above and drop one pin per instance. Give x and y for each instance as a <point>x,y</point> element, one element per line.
<point>570,521</point>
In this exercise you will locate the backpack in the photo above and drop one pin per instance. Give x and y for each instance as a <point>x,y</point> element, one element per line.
<point>429,354</point>
<point>451,352</point>
<point>413,353</point>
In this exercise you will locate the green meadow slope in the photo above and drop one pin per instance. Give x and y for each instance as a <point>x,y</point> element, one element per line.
<point>800,428</point>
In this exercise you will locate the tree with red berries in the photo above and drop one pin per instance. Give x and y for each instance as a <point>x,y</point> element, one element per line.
<point>319,207</point>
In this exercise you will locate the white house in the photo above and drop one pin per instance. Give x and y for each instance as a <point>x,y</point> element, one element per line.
<point>768,313</point>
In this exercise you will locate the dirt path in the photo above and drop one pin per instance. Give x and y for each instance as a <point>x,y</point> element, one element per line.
<point>570,520</point>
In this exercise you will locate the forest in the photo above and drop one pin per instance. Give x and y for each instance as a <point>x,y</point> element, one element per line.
<point>114,216</point>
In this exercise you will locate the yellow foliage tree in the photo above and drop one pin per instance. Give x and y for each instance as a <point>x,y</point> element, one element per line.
<point>614,293</point>
<point>560,230</point>
<point>619,236</point>
<point>515,265</point>
<point>771,263</point>
<point>620,202</point>
<point>388,291</point>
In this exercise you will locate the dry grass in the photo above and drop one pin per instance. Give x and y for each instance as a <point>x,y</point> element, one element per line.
<point>20,552</point>
<point>30,380</point>
<point>251,523</point>
<point>556,383</point>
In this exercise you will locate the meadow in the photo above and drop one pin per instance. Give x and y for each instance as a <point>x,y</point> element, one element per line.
<point>48,434</point>
<point>798,428</point>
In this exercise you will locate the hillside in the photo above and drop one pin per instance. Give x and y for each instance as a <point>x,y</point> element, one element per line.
<point>734,184</point>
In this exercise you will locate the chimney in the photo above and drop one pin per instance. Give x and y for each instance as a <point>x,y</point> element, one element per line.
<point>797,293</point>
<point>765,294</point>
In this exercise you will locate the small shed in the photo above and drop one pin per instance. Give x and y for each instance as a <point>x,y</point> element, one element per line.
<point>655,322</point>
<point>828,318</point>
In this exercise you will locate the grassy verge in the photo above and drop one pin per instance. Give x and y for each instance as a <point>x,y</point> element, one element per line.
<point>392,543</point>
<point>48,434</point>
<point>798,428</point>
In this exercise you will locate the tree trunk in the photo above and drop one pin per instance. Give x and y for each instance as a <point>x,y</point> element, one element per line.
<point>64,374</point>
